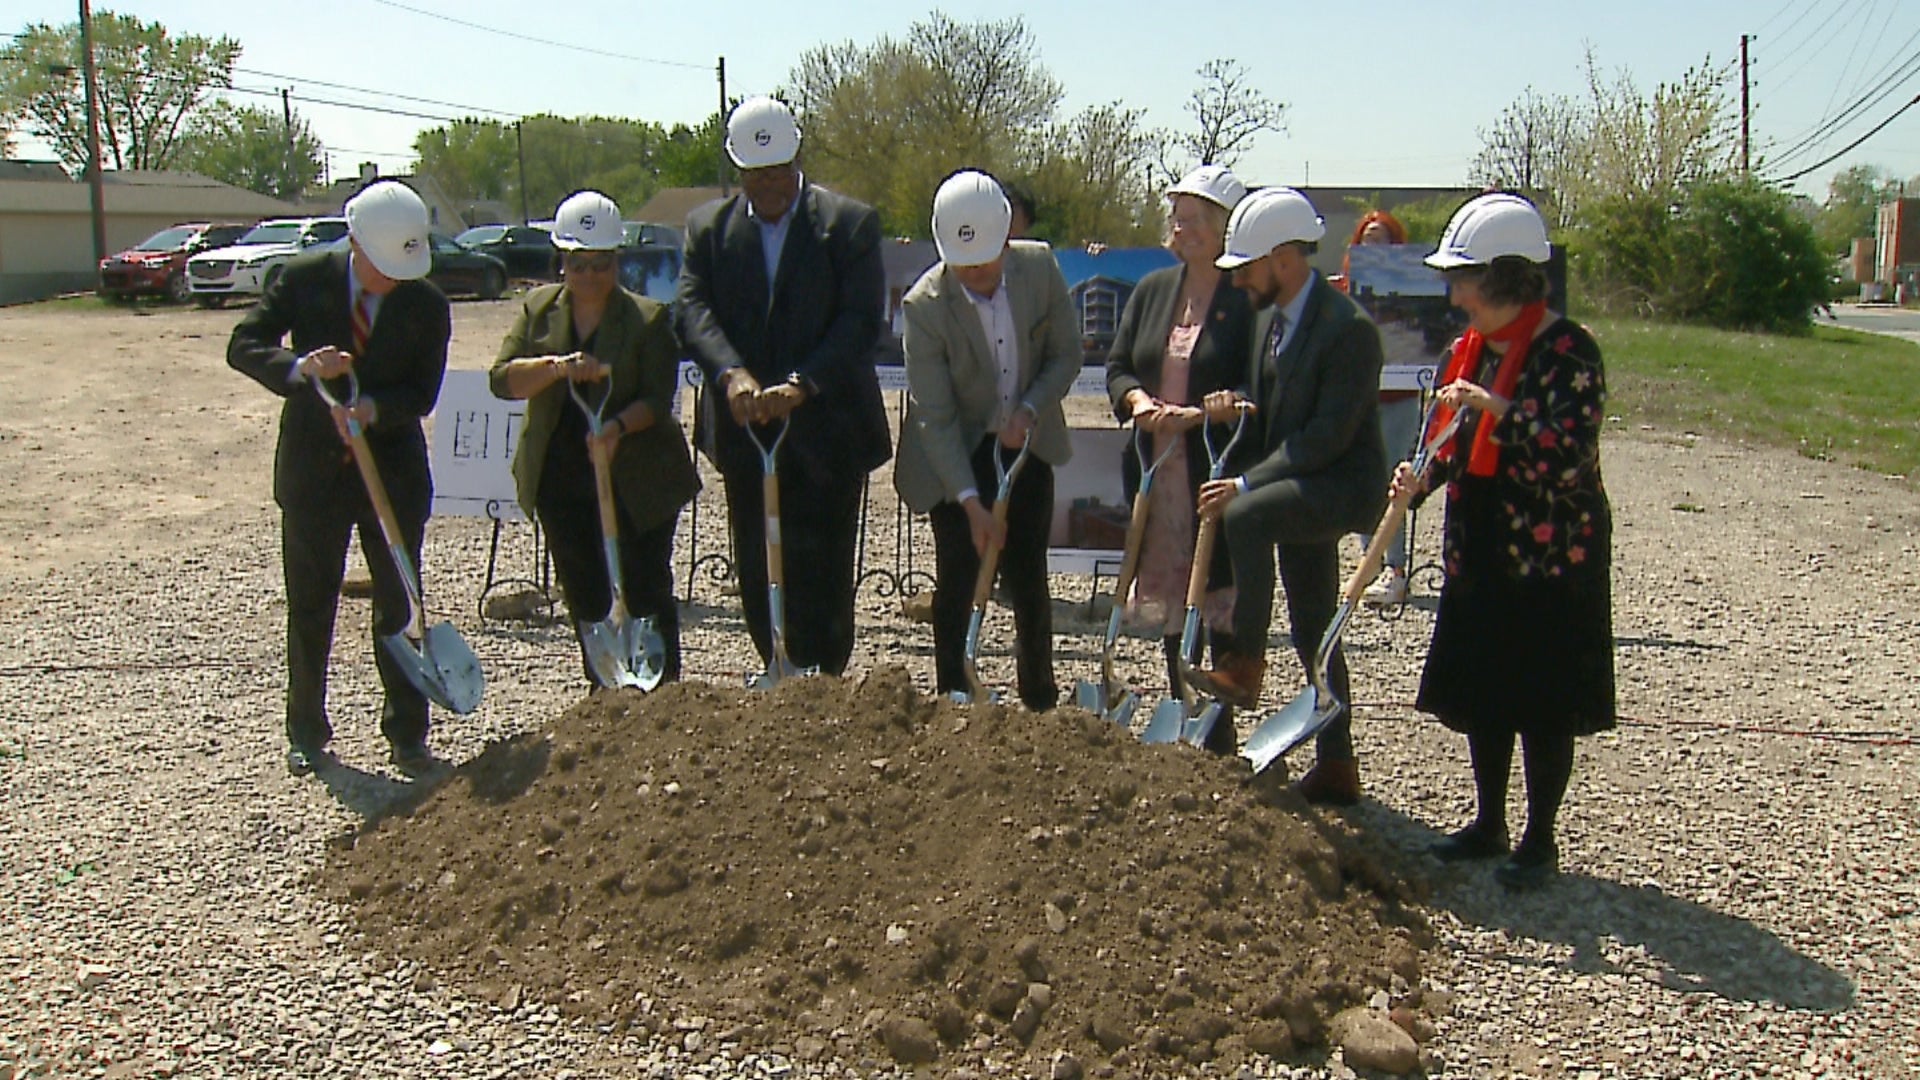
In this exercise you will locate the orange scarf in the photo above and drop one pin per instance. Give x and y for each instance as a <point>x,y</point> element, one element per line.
<point>1517,336</point>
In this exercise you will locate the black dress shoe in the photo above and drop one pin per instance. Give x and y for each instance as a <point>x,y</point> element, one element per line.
<point>1473,842</point>
<point>1528,868</point>
<point>414,759</point>
<point>303,760</point>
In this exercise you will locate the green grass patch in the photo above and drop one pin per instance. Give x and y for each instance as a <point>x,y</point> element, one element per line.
<point>1833,394</point>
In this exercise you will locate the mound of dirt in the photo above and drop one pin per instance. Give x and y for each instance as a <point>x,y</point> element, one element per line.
<point>850,869</point>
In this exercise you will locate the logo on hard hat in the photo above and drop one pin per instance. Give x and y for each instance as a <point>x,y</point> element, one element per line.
<point>762,137</point>
<point>965,234</point>
<point>586,222</point>
<point>412,245</point>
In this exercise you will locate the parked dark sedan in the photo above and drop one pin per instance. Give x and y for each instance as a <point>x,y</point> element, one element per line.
<point>527,250</point>
<point>158,264</point>
<point>460,269</point>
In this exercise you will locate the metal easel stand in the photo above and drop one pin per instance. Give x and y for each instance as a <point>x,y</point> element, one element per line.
<point>1431,570</point>
<point>543,567</point>
<point>901,579</point>
<point>716,565</point>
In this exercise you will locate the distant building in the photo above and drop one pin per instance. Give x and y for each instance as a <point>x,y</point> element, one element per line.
<point>670,206</point>
<point>444,213</point>
<point>46,220</point>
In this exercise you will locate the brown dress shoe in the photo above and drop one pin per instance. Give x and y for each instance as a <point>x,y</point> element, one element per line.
<point>1334,783</point>
<point>1235,679</point>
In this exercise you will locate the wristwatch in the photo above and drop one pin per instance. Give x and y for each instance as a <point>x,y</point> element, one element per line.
<point>803,384</point>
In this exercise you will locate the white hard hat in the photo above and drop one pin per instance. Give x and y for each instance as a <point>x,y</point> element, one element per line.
<point>971,219</point>
<point>1489,227</point>
<point>389,222</point>
<point>1266,219</point>
<point>762,132</point>
<point>1214,183</point>
<point>587,221</point>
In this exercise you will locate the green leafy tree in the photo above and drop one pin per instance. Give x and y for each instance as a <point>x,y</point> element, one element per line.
<point>254,148</point>
<point>886,122</point>
<point>1854,196</point>
<point>1536,145</point>
<point>150,85</point>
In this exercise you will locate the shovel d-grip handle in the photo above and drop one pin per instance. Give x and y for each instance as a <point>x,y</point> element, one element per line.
<point>376,494</point>
<point>1003,494</point>
<point>1217,459</point>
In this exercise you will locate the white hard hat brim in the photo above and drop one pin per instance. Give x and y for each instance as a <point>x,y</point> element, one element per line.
<point>1448,260</point>
<point>397,263</point>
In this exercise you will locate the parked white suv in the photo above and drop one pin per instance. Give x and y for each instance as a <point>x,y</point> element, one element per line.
<point>246,268</point>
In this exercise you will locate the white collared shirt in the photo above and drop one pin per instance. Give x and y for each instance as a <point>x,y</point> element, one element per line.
<point>773,235</point>
<point>996,322</point>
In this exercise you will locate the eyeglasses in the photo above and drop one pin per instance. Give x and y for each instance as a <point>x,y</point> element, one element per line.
<point>580,264</point>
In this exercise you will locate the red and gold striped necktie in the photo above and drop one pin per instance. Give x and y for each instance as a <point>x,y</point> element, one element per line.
<point>362,324</point>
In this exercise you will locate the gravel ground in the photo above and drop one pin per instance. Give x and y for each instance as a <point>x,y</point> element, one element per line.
<point>1742,895</point>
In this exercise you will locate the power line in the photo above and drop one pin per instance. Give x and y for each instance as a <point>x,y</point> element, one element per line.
<point>1810,140</point>
<point>539,41</point>
<point>1805,55</point>
<point>1843,151</point>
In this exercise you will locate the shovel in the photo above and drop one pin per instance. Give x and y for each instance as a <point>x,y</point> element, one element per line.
<point>1108,698</point>
<point>989,566</point>
<point>621,650</point>
<point>438,662</point>
<point>1317,705</point>
<point>1174,719</point>
<point>779,667</point>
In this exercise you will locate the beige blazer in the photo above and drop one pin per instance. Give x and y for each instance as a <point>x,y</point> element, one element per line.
<point>653,474</point>
<point>952,382</point>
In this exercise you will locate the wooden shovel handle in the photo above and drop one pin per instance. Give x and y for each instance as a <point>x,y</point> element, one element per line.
<point>1202,560</point>
<point>603,491</point>
<point>1377,550</point>
<point>770,500</point>
<point>1130,555</point>
<point>389,526</point>
<point>990,561</point>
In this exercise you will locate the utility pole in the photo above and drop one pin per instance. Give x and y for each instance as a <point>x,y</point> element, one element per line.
<point>520,151</point>
<point>721,70</point>
<point>286,114</point>
<point>1746,111</point>
<point>96,192</point>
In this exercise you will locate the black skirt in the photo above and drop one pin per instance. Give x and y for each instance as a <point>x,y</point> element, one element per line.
<point>1518,654</point>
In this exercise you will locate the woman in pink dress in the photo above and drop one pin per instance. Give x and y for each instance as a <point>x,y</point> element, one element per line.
<point>1182,335</point>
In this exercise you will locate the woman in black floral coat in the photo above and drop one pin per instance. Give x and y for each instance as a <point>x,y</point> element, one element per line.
<point>1523,641</point>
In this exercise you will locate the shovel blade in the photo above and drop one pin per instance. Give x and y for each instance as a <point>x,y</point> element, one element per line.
<point>1090,697</point>
<point>605,656</point>
<point>1278,734</point>
<point>779,670</point>
<point>1122,713</point>
<point>1195,731</point>
<point>441,666</point>
<point>1165,723</point>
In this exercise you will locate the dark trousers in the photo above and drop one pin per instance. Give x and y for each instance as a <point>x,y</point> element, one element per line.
<point>313,557</point>
<point>646,571</point>
<point>1277,523</point>
<point>819,524</point>
<point>1022,571</point>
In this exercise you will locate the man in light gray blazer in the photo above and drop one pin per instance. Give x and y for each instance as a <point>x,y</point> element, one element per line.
<point>991,349</point>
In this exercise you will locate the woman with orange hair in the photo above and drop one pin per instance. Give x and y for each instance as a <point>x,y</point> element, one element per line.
<point>1399,418</point>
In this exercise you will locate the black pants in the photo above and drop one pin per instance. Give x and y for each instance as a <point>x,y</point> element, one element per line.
<point>1276,523</point>
<point>646,570</point>
<point>1022,571</point>
<point>819,524</point>
<point>313,557</point>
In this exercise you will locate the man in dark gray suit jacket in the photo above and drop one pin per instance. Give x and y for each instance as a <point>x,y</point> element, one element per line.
<point>362,310</point>
<point>1318,470</point>
<point>991,349</point>
<point>781,302</point>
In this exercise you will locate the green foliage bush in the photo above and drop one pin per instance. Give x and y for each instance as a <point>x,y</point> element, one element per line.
<point>1726,252</point>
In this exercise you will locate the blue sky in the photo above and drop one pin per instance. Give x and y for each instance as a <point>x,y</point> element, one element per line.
<point>1384,94</point>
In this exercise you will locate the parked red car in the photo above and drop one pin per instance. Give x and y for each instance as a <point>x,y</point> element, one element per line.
<point>158,264</point>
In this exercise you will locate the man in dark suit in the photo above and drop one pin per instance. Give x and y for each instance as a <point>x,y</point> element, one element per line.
<point>992,347</point>
<point>363,310</point>
<point>1318,470</point>
<point>781,302</point>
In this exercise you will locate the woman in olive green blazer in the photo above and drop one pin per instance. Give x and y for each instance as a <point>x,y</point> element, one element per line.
<point>588,329</point>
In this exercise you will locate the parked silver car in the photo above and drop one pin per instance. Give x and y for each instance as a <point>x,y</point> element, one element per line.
<point>246,268</point>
